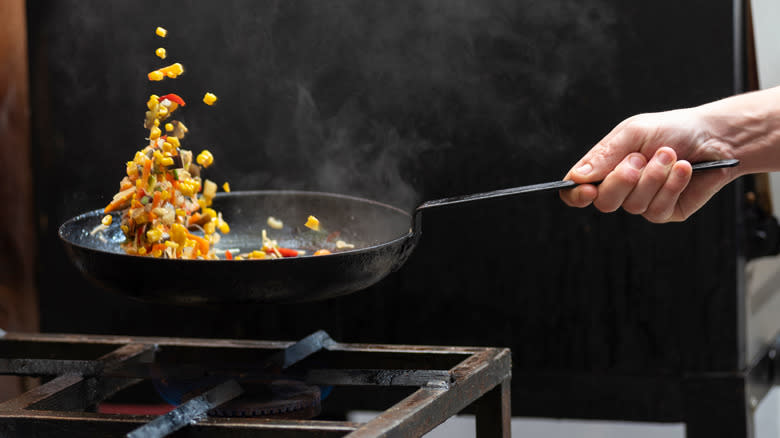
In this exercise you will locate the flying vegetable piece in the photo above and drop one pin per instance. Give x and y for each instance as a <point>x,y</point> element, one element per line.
<point>171,71</point>
<point>209,99</point>
<point>205,158</point>
<point>275,223</point>
<point>156,75</point>
<point>173,98</point>
<point>312,223</point>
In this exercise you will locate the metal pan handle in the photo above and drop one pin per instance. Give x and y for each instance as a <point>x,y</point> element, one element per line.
<point>546,187</point>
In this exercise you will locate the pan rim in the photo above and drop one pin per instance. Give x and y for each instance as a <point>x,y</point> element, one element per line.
<point>347,253</point>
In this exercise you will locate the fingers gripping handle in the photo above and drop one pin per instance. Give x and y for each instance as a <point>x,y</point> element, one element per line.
<point>550,186</point>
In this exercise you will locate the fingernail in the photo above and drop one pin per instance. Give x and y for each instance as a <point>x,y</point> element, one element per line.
<point>636,162</point>
<point>584,169</point>
<point>664,158</point>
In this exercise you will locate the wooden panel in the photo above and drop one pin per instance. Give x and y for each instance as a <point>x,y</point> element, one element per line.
<point>18,303</point>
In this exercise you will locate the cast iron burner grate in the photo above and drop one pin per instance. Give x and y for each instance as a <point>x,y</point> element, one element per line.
<point>247,378</point>
<point>279,399</point>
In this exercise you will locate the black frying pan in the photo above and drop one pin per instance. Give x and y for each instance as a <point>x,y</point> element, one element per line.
<point>384,237</point>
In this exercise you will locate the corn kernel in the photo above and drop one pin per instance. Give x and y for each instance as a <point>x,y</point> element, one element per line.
<point>223,226</point>
<point>154,133</point>
<point>210,227</point>
<point>167,161</point>
<point>142,218</point>
<point>174,141</point>
<point>161,32</point>
<point>169,127</point>
<point>132,169</point>
<point>226,187</point>
<point>124,229</point>
<point>172,70</point>
<point>238,258</point>
<point>156,75</point>
<point>156,123</point>
<point>161,53</point>
<point>153,101</point>
<point>107,219</point>
<point>141,251</point>
<point>186,188</point>
<point>312,223</point>
<point>179,234</point>
<point>153,235</point>
<point>256,255</point>
<point>205,158</point>
<point>210,212</point>
<point>156,253</point>
<point>209,99</point>
<point>171,244</point>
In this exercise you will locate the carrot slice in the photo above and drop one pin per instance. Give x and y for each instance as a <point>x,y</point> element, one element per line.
<point>203,244</point>
<point>119,202</point>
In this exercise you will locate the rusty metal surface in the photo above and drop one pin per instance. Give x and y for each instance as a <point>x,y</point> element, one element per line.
<point>429,406</point>
<point>45,424</point>
<point>188,413</point>
<point>378,377</point>
<point>73,392</point>
<point>470,376</point>
<point>300,350</point>
<point>494,412</point>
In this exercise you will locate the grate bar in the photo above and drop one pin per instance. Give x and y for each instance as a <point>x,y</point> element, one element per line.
<point>189,412</point>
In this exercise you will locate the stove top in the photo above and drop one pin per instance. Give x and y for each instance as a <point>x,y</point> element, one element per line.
<point>222,387</point>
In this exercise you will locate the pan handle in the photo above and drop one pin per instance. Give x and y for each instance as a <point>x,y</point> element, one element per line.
<point>546,187</point>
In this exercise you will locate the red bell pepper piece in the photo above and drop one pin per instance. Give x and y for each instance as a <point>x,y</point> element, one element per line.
<point>173,98</point>
<point>228,255</point>
<point>287,252</point>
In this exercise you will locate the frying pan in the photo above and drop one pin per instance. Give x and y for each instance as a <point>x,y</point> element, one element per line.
<point>384,237</point>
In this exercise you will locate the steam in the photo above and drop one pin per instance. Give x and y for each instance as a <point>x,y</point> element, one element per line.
<point>371,99</point>
<point>344,161</point>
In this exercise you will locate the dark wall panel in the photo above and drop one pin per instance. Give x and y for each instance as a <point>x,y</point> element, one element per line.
<point>407,101</point>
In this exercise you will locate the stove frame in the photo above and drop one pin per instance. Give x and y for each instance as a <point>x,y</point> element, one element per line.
<point>88,369</point>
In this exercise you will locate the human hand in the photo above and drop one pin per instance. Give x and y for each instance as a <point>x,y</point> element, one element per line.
<point>644,166</point>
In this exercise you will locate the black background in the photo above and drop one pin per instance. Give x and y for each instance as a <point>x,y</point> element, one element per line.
<point>407,101</point>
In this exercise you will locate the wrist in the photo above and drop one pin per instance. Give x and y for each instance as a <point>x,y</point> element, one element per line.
<point>746,127</point>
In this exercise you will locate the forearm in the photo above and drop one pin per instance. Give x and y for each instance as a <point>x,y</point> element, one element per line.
<point>747,126</point>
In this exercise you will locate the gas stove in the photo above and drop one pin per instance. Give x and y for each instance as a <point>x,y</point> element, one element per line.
<point>222,387</point>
